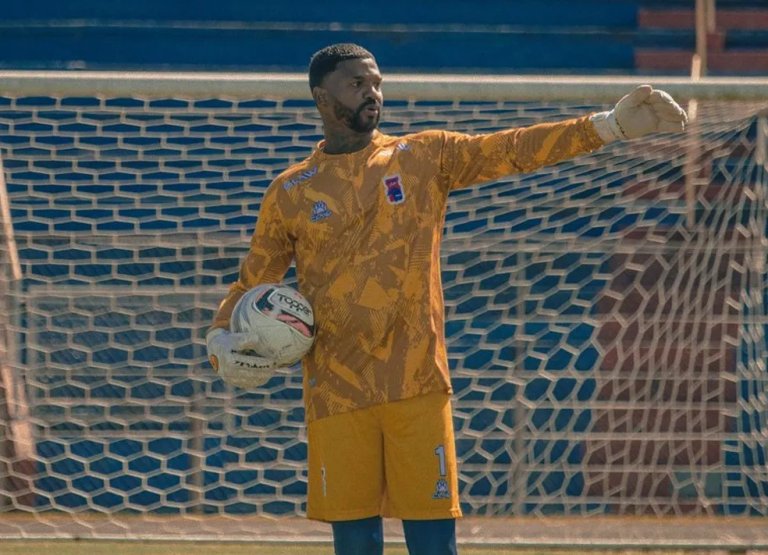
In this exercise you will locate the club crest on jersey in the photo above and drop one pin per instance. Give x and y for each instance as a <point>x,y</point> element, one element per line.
<point>393,187</point>
<point>319,211</point>
<point>441,490</point>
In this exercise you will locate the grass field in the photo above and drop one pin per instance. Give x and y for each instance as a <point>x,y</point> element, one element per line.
<point>67,547</point>
<point>91,547</point>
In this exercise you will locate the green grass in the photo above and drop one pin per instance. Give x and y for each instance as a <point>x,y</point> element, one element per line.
<point>90,547</point>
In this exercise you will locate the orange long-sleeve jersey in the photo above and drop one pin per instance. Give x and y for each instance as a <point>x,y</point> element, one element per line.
<point>365,231</point>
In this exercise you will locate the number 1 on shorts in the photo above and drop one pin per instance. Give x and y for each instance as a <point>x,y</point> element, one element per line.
<point>440,452</point>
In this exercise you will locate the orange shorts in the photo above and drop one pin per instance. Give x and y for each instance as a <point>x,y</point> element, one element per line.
<point>395,460</point>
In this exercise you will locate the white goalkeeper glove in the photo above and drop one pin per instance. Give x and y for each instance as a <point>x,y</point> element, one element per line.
<point>642,111</point>
<point>226,353</point>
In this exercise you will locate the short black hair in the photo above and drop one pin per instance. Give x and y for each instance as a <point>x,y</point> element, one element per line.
<point>324,61</point>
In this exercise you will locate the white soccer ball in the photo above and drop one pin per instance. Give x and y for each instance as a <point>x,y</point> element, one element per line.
<point>280,317</point>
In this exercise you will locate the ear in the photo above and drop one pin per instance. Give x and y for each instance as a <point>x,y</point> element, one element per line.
<point>320,95</point>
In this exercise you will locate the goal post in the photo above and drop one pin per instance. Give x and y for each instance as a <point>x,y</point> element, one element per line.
<point>605,317</point>
<point>16,436</point>
<point>295,86</point>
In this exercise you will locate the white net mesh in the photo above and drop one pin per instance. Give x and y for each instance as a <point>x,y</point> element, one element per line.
<point>605,316</point>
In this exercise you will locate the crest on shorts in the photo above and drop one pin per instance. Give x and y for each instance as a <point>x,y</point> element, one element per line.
<point>393,187</point>
<point>441,490</point>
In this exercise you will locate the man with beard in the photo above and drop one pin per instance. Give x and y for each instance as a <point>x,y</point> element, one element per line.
<point>363,217</point>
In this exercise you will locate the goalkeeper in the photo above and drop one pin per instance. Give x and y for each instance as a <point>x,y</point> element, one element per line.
<point>362,217</point>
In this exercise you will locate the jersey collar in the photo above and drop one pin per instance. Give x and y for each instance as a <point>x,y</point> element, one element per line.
<point>320,154</point>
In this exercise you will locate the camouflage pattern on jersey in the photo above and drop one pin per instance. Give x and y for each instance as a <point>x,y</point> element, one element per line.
<point>365,231</point>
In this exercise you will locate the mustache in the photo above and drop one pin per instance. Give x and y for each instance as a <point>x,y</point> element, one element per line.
<point>367,103</point>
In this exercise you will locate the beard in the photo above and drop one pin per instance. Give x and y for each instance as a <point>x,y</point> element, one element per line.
<point>355,119</point>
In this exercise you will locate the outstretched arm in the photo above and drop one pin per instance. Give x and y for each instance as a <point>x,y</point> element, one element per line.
<point>471,159</point>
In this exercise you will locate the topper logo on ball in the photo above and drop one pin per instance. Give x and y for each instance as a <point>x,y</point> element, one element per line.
<point>293,304</point>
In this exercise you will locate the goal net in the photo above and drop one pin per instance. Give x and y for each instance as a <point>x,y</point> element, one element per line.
<point>605,317</point>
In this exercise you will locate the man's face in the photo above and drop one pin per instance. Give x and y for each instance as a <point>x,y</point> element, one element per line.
<point>354,94</point>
